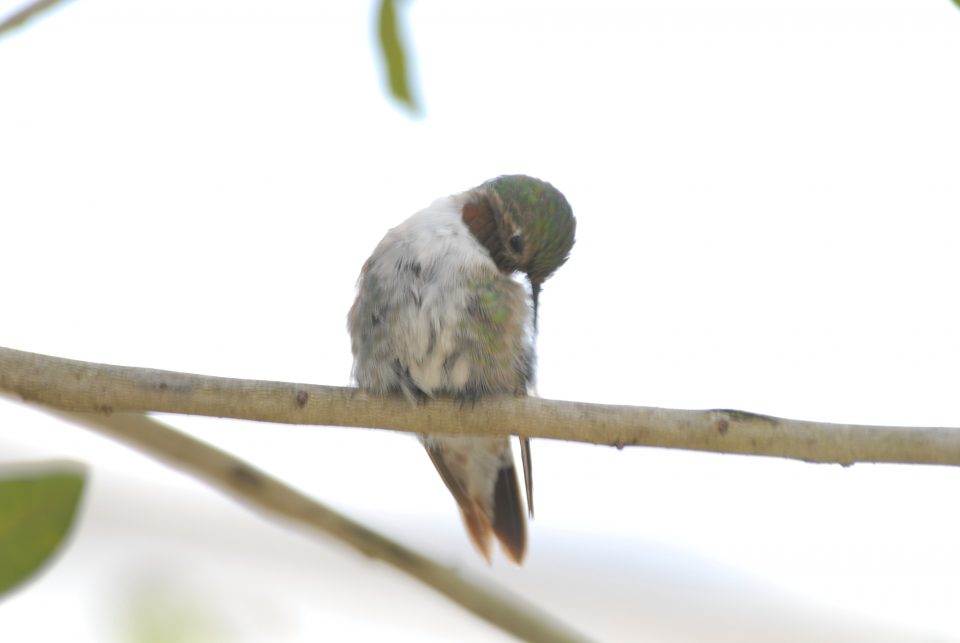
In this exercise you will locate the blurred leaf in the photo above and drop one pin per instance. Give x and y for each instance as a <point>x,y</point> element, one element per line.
<point>394,55</point>
<point>37,507</point>
<point>168,609</point>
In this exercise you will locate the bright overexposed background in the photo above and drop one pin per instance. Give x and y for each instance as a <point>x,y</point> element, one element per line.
<point>768,198</point>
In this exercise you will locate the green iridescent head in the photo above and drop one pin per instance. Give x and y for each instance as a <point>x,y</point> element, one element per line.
<point>535,226</point>
<point>535,223</point>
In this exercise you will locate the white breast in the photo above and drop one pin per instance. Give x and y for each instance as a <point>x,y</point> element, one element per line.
<point>427,266</point>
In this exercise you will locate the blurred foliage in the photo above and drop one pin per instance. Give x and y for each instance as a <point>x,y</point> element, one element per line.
<point>160,610</point>
<point>37,507</point>
<point>394,55</point>
<point>391,41</point>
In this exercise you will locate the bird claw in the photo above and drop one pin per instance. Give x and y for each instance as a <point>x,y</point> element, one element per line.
<point>468,398</point>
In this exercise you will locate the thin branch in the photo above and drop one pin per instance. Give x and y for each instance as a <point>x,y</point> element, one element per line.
<point>84,386</point>
<point>27,12</point>
<point>258,490</point>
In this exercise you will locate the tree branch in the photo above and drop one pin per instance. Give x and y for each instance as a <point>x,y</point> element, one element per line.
<point>84,386</point>
<point>25,13</point>
<point>117,396</point>
<point>257,489</point>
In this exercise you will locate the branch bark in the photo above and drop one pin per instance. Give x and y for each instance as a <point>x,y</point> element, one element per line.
<point>85,386</point>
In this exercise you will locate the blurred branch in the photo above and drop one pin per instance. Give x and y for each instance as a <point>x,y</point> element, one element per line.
<point>19,17</point>
<point>85,386</point>
<point>257,489</point>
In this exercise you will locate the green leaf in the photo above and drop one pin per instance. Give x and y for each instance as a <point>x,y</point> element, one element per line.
<point>394,55</point>
<point>37,506</point>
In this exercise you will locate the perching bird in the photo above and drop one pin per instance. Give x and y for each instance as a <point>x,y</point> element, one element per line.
<point>438,312</point>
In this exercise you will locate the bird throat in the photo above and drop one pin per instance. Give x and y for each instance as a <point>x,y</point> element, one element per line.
<point>479,217</point>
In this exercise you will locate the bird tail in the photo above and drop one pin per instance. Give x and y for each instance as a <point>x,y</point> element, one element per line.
<point>505,519</point>
<point>509,519</point>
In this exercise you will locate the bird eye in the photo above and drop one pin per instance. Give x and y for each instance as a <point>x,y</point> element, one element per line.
<point>516,243</point>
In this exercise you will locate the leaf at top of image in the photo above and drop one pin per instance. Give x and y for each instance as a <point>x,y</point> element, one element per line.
<point>394,51</point>
<point>38,504</point>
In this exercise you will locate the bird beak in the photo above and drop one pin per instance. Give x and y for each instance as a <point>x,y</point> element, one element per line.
<point>535,289</point>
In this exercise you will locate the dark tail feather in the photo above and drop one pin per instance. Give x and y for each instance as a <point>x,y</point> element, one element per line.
<point>509,521</point>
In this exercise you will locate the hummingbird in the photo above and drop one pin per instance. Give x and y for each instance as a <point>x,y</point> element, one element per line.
<point>439,312</point>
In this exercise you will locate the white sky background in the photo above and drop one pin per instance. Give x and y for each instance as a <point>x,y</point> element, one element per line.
<point>767,200</point>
